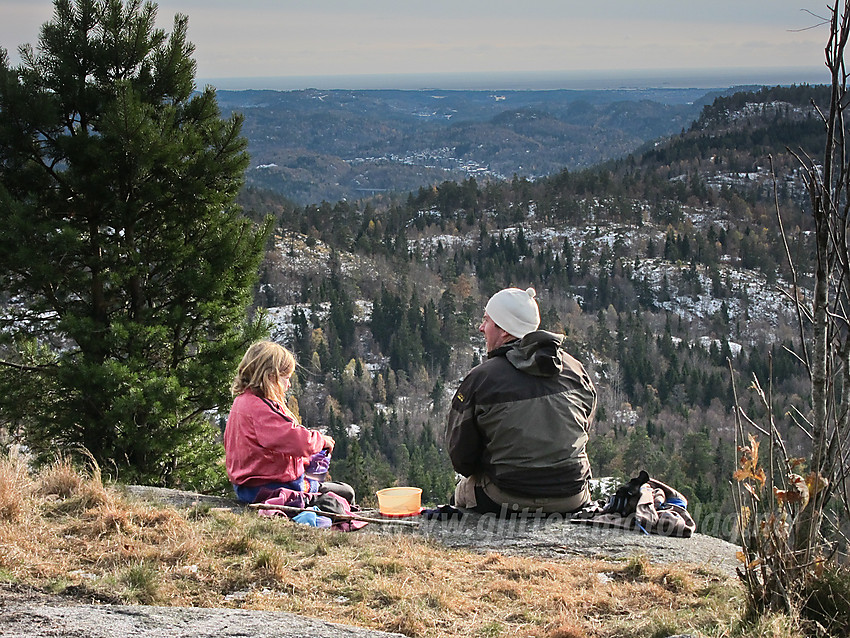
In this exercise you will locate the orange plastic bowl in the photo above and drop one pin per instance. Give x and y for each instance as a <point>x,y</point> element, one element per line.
<point>400,501</point>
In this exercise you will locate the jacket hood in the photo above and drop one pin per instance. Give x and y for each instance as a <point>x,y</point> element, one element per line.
<point>537,353</point>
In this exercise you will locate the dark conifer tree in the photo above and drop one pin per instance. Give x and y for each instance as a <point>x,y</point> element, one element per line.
<point>120,236</point>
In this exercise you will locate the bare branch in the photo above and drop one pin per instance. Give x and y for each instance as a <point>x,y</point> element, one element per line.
<point>794,285</point>
<point>751,423</point>
<point>795,414</point>
<point>19,366</point>
<point>793,354</point>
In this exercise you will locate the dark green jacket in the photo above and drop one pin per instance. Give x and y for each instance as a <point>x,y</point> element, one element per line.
<point>521,417</point>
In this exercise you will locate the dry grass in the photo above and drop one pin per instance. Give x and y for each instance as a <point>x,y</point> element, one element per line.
<point>15,488</point>
<point>66,532</point>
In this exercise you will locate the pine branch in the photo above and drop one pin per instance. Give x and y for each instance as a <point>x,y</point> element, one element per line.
<point>50,367</point>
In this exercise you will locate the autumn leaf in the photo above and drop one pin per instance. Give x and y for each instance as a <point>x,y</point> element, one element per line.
<point>749,463</point>
<point>797,463</point>
<point>796,494</point>
<point>742,557</point>
<point>749,488</point>
<point>815,483</point>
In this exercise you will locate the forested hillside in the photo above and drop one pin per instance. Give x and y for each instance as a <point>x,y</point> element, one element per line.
<point>316,145</point>
<point>663,269</point>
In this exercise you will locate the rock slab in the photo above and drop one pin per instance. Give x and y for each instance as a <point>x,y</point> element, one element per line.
<point>25,614</point>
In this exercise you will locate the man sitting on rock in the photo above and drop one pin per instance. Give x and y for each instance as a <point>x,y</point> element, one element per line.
<point>518,423</point>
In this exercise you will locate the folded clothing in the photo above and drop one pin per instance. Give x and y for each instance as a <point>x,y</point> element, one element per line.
<point>329,502</point>
<point>318,466</point>
<point>312,519</point>
<point>644,504</point>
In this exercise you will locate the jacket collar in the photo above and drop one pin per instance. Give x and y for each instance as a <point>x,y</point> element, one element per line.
<point>502,350</point>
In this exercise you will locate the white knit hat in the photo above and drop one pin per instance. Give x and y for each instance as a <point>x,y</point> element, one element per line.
<point>514,311</point>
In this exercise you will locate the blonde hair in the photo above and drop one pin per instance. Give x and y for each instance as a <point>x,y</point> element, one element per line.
<point>263,368</point>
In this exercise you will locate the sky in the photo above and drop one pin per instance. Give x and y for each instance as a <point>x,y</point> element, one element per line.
<point>311,42</point>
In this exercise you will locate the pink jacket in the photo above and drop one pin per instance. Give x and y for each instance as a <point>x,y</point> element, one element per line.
<point>263,445</point>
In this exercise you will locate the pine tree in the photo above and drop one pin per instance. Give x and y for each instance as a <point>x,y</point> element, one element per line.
<point>119,233</point>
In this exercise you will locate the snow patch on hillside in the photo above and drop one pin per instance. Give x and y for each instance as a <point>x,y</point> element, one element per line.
<point>748,296</point>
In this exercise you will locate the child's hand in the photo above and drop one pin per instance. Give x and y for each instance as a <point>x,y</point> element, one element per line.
<point>329,443</point>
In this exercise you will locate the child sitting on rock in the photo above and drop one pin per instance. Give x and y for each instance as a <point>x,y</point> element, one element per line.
<point>266,448</point>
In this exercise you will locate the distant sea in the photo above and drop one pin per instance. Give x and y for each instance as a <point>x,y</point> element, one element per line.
<point>548,80</point>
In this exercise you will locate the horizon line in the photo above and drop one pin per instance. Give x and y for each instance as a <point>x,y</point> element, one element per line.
<point>619,79</point>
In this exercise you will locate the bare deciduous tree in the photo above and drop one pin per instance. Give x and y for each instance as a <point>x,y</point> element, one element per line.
<point>791,514</point>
